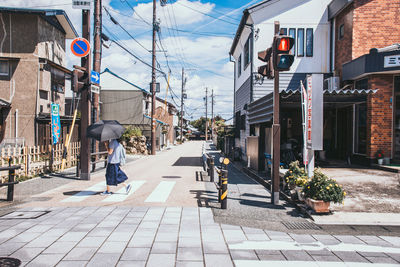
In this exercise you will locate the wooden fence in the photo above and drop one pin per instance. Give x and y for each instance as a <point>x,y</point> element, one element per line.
<point>35,160</point>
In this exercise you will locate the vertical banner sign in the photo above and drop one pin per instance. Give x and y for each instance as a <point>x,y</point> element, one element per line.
<point>55,123</point>
<point>309,112</point>
<point>304,121</point>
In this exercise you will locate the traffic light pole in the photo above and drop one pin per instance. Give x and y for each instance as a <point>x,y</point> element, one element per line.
<point>153,85</point>
<point>276,130</point>
<point>85,104</point>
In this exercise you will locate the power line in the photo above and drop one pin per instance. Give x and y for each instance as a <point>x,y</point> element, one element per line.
<point>126,1</point>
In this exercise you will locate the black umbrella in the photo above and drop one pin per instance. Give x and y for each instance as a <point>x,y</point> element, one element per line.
<point>105,130</point>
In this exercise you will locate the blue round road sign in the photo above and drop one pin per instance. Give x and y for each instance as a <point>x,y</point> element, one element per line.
<point>80,47</point>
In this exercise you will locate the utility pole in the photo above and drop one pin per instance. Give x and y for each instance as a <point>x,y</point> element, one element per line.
<point>183,86</point>
<point>85,104</point>
<point>276,131</point>
<point>212,114</point>
<point>206,114</point>
<point>153,85</point>
<point>96,63</point>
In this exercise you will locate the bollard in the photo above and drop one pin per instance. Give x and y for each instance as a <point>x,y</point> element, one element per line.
<point>224,189</point>
<point>211,174</point>
<point>78,166</point>
<point>219,185</point>
<point>11,175</point>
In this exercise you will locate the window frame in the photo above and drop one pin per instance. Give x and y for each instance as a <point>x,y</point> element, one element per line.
<point>8,68</point>
<point>284,31</point>
<point>341,31</point>
<point>293,50</point>
<point>240,65</point>
<point>311,54</point>
<point>298,42</point>
<point>247,53</point>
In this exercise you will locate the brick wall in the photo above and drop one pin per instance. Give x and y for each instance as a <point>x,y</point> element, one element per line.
<point>376,25</point>
<point>379,116</point>
<point>343,47</point>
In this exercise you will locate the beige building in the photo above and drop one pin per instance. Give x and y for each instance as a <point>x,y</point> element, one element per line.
<point>33,73</point>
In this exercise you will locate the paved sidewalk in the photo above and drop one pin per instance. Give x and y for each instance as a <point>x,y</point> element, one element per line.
<point>174,236</point>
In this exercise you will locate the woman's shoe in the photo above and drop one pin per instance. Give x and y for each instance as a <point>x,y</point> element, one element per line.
<point>106,193</point>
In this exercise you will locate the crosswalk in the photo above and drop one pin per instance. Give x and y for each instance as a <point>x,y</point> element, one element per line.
<point>159,194</point>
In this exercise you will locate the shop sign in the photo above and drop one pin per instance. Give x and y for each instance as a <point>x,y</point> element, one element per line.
<point>309,112</point>
<point>314,111</point>
<point>392,61</point>
<point>55,123</point>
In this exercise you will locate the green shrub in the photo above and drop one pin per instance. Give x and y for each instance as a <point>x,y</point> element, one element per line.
<point>295,175</point>
<point>321,187</point>
<point>131,131</point>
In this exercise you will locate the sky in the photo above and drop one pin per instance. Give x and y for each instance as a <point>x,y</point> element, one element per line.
<point>194,35</point>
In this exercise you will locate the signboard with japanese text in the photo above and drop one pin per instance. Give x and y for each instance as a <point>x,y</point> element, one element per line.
<point>55,123</point>
<point>314,111</point>
<point>81,4</point>
<point>309,112</point>
<point>392,61</point>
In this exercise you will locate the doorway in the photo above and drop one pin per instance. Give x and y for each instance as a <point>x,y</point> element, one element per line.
<point>344,132</point>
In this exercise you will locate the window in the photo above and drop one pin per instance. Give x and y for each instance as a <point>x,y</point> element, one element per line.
<point>57,80</point>
<point>4,68</point>
<point>239,65</point>
<point>292,33</point>
<point>243,122</point>
<point>284,31</point>
<point>300,42</point>
<point>360,138</point>
<point>247,53</point>
<point>43,94</point>
<point>309,42</point>
<point>361,84</point>
<point>341,32</point>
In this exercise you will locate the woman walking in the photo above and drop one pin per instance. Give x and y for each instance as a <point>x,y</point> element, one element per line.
<point>114,174</point>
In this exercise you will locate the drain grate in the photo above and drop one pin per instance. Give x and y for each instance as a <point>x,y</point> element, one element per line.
<point>23,215</point>
<point>9,262</point>
<point>301,226</point>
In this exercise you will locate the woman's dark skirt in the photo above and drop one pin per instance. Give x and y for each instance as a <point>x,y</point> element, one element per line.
<point>114,174</point>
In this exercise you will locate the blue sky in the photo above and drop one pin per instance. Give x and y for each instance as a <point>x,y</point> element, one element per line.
<point>195,35</point>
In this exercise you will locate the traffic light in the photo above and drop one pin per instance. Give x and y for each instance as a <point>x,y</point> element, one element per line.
<point>281,54</point>
<point>80,79</point>
<point>266,70</point>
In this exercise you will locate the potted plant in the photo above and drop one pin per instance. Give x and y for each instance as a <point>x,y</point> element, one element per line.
<point>379,156</point>
<point>300,183</point>
<point>320,191</point>
<point>295,178</point>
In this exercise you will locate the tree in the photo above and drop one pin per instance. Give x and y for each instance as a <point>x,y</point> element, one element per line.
<point>200,124</point>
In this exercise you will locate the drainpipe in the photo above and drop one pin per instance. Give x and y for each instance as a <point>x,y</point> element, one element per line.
<point>251,61</point>
<point>234,86</point>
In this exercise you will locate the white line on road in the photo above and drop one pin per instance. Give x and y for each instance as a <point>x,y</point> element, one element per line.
<point>250,263</point>
<point>120,195</point>
<point>85,194</point>
<point>161,192</point>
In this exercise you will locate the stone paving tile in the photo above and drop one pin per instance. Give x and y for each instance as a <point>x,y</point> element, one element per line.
<point>72,263</point>
<point>190,234</point>
<point>39,229</point>
<point>141,242</point>
<point>267,252</point>
<point>25,237</point>
<point>394,240</point>
<point>326,258</point>
<point>189,264</point>
<point>73,236</point>
<point>349,239</point>
<point>135,254</point>
<point>83,227</point>
<point>103,260</point>
<point>45,260</point>
<point>381,260</point>
<point>302,238</point>
<point>299,255</point>
<point>157,260</point>
<point>26,254</point>
<point>372,254</point>
<point>249,230</point>
<point>57,231</point>
<point>278,236</point>
<point>60,247</point>
<point>348,256</point>
<point>218,260</point>
<point>187,242</point>
<point>322,252</point>
<point>120,236</point>
<point>166,237</point>
<point>101,231</point>
<point>164,248</point>
<point>112,247</point>
<point>190,254</point>
<point>131,264</point>
<point>215,248</point>
<point>81,254</point>
<point>131,220</point>
<point>234,236</point>
<point>272,257</point>
<point>243,255</point>
<point>92,241</point>
<point>326,239</point>
<point>108,223</point>
<point>374,240</point>
<point>395,256</point>
<point>145,233</point>
<point>127,228</point>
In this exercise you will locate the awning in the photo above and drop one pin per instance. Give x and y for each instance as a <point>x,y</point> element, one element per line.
<point>160,122</point>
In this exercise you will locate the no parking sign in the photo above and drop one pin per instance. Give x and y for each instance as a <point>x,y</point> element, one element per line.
<point>80,47</point>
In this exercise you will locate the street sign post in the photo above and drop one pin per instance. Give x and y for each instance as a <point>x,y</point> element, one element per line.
<point>95,77</point>
<point>80,47</point>
<point>95,89</point>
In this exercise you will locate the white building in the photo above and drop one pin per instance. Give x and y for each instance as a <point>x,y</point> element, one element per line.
<point>306,21</point>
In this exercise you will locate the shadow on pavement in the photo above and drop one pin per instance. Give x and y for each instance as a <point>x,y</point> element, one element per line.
<point>188,162</point>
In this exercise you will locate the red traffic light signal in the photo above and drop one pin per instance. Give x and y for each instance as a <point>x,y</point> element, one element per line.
<point>80,79</point>
<point>282,59</point>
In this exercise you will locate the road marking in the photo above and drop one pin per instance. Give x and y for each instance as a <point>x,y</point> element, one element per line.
<point>161,192</point>
<point>250,263</point>
<point>121,195</point>
<point>82,195</point>
<point>282,245</point>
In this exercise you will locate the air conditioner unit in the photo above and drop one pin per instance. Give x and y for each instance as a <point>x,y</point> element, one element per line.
<point>332,83</point>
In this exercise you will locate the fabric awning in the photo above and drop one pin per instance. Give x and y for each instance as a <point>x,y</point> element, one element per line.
<point>160,122</point>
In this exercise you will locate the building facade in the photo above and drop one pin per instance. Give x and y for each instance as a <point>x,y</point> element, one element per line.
<point>33,73</point>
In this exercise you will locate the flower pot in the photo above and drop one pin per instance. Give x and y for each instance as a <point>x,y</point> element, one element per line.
<point>380,161</point>
<point>318,206</point>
